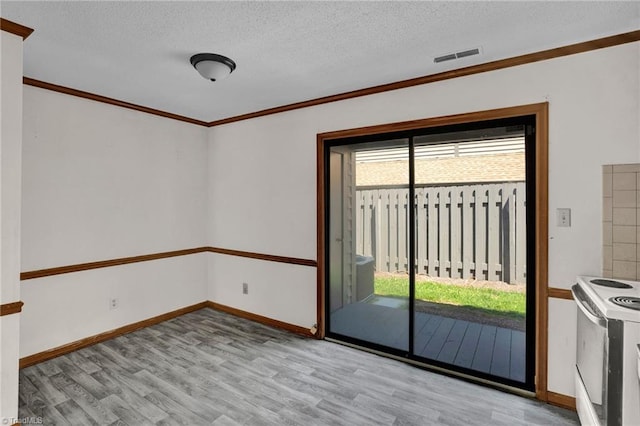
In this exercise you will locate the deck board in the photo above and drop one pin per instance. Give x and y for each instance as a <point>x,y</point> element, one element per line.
<point>482,360</point>
<point>485,348</point>
<point>501,360</point>
<point>439,338</point>
<point>518,358</point>
<point>467,350</point>
<point>427,332</point>
<point>454,340</point>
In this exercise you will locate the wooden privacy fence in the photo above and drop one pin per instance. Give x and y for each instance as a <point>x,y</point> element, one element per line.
<point>462,231</point>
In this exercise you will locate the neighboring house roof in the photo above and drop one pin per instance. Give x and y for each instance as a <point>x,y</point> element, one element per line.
<point>477,168</point>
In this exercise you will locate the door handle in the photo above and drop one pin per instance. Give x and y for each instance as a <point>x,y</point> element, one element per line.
<point>593,316</point>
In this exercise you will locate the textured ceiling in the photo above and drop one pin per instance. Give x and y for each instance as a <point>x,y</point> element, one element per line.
<point>286,52</point>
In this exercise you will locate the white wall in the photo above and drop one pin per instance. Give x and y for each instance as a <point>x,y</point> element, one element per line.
<point>284,288</point>
<point>10,163</point>
<point>102,182</point>
<point>562,345</point>
<point>262,187</point>
<point>65,308</point>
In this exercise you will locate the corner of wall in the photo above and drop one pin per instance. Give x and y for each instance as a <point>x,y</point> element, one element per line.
<point>10,195</point>
<point>210,211</point>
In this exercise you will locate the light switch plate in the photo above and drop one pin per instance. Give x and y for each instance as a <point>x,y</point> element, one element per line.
<point>563,217</point>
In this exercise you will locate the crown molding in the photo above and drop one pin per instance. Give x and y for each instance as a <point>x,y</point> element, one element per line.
<point>99,98</point>
<point>544,55</point>
<point>447,75</point>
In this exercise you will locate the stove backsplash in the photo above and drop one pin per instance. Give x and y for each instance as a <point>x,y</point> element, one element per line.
<point>621,221</point>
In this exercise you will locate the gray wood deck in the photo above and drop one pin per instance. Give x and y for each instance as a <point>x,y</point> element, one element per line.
<point>211,368</point>
<point>485,348</point>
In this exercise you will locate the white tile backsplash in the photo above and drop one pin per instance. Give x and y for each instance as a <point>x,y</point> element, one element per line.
<point>621,221</point>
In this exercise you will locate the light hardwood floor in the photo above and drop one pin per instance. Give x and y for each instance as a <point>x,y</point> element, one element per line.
<point>209,367</point>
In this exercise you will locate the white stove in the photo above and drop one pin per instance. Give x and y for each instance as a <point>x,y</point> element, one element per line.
<point>608,352</point>
<point>600,291</point>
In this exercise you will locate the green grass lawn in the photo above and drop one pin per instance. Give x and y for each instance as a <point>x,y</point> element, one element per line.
<point>498,302</point>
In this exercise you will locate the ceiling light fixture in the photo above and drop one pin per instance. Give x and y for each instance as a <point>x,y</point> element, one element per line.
<point>212,66</point>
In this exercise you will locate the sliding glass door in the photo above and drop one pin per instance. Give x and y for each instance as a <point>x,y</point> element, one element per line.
<point>427,246</point>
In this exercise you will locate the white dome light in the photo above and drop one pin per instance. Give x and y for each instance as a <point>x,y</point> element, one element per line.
<point>212,66</point>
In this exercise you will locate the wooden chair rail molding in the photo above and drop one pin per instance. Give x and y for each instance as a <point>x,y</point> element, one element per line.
<point>107,263</point>
<point>261,256</point>
<point>40,273</point>
<point>559,293</point>
<point>11,308</point>
<point>13,28</point>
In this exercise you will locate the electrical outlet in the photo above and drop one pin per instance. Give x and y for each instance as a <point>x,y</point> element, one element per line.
<point>245,288</point>
<point>113,303</point>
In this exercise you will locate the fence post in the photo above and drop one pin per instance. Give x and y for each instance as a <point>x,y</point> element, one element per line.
<point>432,232</point>
<point>493,233</point>
<point>443,230</point>
<point>521,233</point>
<point>468,213</point>
<point>421,231</point>
<point>482,203</point>
<point>506,236</point>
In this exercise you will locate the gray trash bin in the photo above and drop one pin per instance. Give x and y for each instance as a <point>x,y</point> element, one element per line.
<point>364,277</point>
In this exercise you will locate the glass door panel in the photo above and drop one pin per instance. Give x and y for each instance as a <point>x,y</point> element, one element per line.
<point>368,298</point>
<point>470,290</point>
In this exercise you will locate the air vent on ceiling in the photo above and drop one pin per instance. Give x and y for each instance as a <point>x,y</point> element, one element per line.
<point>457,55</point>
<point>445,58</point>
